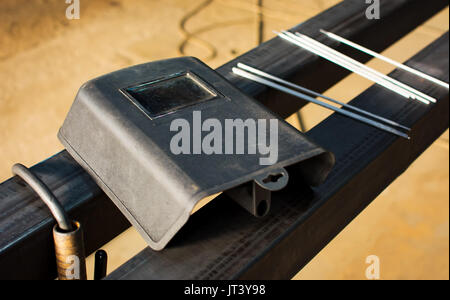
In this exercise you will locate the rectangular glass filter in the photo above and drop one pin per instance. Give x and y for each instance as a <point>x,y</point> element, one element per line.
<point>167,95</point>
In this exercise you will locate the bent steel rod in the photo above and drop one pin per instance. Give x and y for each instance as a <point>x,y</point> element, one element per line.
<point>45,194</point>
<point>67,235</point>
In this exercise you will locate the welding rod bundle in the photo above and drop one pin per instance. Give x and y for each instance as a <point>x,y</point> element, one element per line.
<point>352,65</point>
<point>298,91</point>
<point>386,59</point>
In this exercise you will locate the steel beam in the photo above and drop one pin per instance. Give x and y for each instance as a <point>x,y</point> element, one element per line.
<point>26,249</point>
<point>222,242</point>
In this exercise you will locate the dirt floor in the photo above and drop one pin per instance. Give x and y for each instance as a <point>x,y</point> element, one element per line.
<point>44,59</point>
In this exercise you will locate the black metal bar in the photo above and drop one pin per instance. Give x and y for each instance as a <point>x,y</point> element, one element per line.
<point>26,250</point>
<point>221,242</point>
<point>101,264</point>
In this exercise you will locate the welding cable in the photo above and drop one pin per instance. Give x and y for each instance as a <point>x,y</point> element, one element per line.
<point>190,37</point>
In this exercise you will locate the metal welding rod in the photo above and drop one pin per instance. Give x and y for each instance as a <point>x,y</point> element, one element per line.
<point>358,68</point>
<point>293,39</point>
<point>315,94</point>
<point>287,90</point>
<point>414,94</point>
<point>368,69</point>
<point>384,58</point>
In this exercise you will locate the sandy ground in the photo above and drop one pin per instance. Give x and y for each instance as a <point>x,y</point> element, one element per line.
<point>44,58</point>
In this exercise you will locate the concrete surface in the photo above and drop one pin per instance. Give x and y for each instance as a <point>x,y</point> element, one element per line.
<point>44,58</point>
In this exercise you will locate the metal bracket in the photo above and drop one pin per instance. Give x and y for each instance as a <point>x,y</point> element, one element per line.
<point>256,196</point>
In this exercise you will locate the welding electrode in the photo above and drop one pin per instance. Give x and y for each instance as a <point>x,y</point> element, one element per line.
<point>384,58</point>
